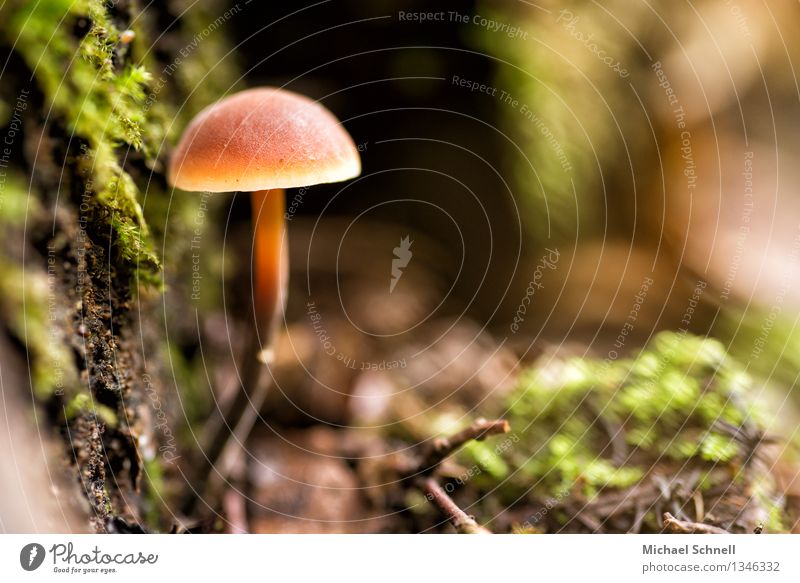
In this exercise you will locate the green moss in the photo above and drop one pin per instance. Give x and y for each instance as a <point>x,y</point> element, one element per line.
<point>29,307</point>
<point>83,402</point>
<point>487,459</point>
<point>768,340</point>
<point>97,104</point>
<point>27,312</point>
<point>211,69</point>
<point>14,200</point>
<point>586,426</point>
<point>155,492</point>
<point>116,106</point>
<point>571,112</point>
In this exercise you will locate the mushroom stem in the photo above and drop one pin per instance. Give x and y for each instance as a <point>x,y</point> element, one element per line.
<point>270,251</point>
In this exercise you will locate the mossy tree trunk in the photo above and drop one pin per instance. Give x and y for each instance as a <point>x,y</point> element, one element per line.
<point>91,93</point>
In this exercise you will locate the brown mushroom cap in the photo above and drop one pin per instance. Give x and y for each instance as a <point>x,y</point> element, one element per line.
<point>261,139</point>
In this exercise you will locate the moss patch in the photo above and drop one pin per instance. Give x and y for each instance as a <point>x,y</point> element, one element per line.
<point>99,101</point>
<point>682,408</point>
<point>104,97</point>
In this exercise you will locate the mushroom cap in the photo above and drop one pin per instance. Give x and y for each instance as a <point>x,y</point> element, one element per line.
<point>261,139</point>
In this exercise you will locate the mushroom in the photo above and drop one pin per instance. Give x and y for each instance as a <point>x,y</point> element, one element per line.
<point>262,141</point>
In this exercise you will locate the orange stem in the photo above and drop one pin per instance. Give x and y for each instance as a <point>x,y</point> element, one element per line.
<point>270,265</point>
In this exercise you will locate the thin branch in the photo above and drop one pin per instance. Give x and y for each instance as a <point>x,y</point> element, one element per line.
<point>440,449</point>
<point>688,527</point>
<point>443,447</point>
<point>463,522</point>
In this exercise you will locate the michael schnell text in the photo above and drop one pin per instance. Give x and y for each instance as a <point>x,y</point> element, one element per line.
<point>688,550</point>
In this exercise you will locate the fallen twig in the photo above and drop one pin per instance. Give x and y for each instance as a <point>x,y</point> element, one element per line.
<point>689,527</point>
<point>443,447</point>
<point>439,450</point>
<point>462,521</point>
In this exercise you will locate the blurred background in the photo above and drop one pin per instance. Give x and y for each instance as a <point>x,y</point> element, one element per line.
<point>571,178</point>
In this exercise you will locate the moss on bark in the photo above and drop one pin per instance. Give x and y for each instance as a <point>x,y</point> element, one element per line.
<point>92,91</point>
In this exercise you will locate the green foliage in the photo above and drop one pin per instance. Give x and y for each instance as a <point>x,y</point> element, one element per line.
<point>587,425</point>
<point>28,306</point>
<point>26,312</point>
<point>15,204</point>
<point>83,402</point>
<point>97,104</point>
<point>767,340</point>
<point>572,109</point>
<point>116,105</point>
